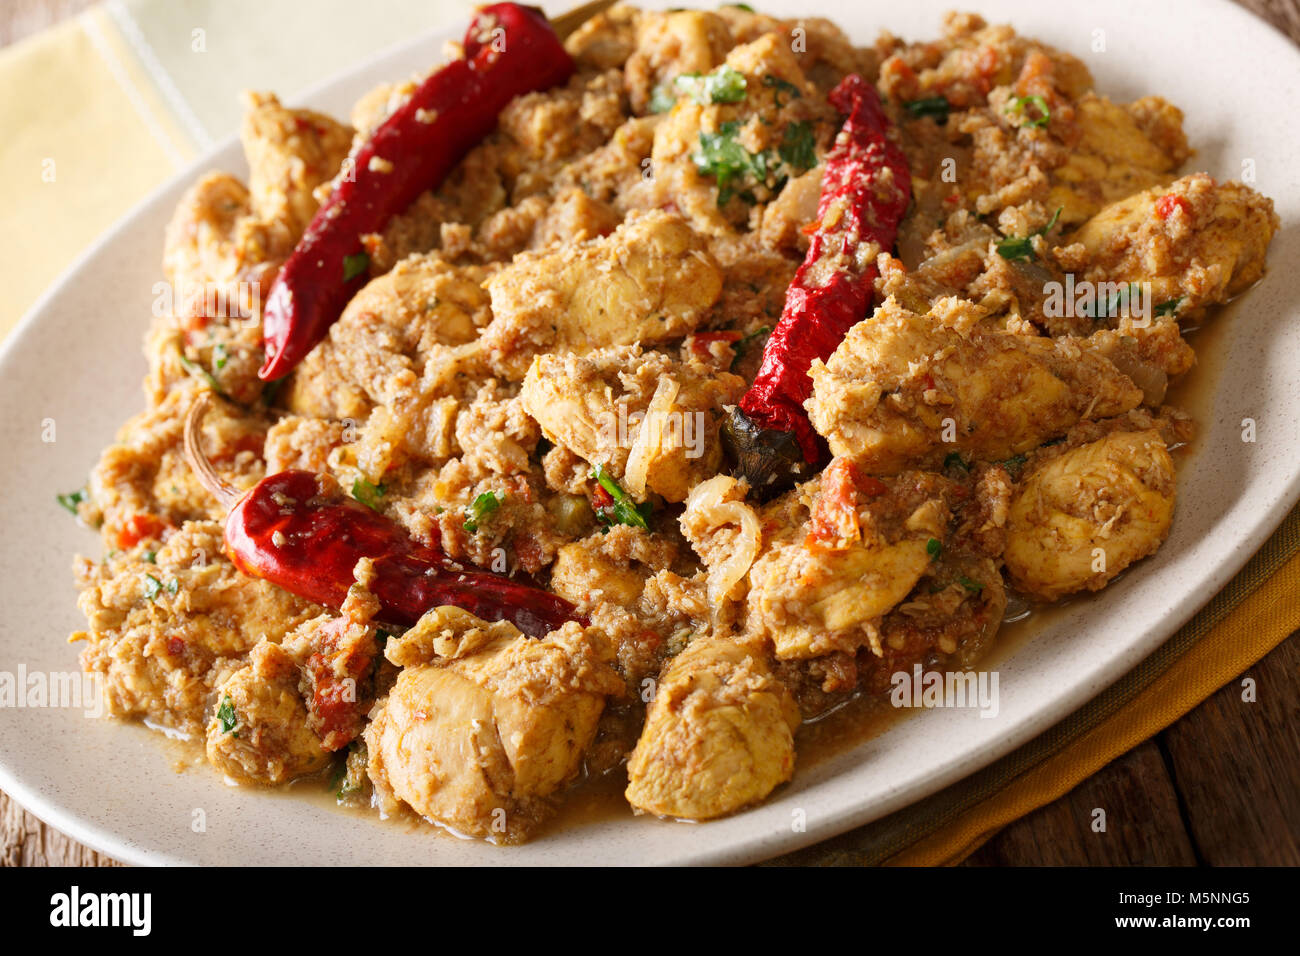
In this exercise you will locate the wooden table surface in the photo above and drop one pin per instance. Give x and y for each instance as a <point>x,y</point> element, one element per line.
<point>1221,787</point>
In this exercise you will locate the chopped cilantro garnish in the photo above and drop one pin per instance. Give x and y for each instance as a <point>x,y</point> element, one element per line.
<point>1169,307</point>
<point>481,507</point>
<point>798,146</point>
<point>367,493</point>
<point>621,509</point>
<point>661,98</point>
<point>226,714</point>
<point>779,86</point>
<point>933,547</point>
<point>723,85</point>
<point>1016,248</point>
<point>1014,464</point>
<point>152,587</point>
<point>973,586</point>
<point>935,106</point>
<point>220,355</point>
<point>1051,222</point>
<point>745,343</point>
<point>72,499</point>
<point>1018,105</point>
<point>354,265</point>
<point>722,157</point>
<point>271,392</point>
<point>740,6</point>
<point>1020,248</point>
<point>198,371</point>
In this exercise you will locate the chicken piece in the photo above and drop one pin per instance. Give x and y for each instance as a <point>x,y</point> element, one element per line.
<point>383,339</point>
<point>478,737</point>
<point>905,390</point>
<point>719,735</point>
<point>611,566</point>
<point>831,569</point>
<point>290,153</point>
<point>606,40</point>
<point>259,733</point>
<point>142,484</point>
<point>225,243</point>
<point>213,239</point>
<point>670,44</point>
<point>592,404</point>
<point>649,281</point>
<point>1085,515</point>
<point>1195,241</point>
<point>641,415</point>
<point>1120,149</point>
<point>165,632</point>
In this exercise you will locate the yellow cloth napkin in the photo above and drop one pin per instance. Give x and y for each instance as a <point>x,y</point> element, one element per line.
<point>104,108</point>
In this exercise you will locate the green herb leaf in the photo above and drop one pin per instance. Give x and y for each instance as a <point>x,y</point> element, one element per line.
<point>1169,307</point>
<point>722,157</point>
<point>935,106</point>
<point>662,98</point>
<point>1051,222</point>
<point>723,85</point>
<point>226,714</point>
<point>220,355</point>
<point>152,587</point>
<point>779,86</point>
<point>199,372</point>
<point>740,6</point>
<point>973,586</point>
<point>481,507</point>
<point>271,392</point>
<point>1016,248</point>
<point>71,499</point>
<point>1014,464</point>
<point>746,342</point>
<point>354,265</point>
<point>623,510</point>
<point>1017,107</point>
<point>955,460</point>
<point>934,547</point>
<point>798,146</point>
<point>368,494</point>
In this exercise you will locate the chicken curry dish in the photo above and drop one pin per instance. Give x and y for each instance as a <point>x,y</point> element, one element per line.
<point>616,400</point>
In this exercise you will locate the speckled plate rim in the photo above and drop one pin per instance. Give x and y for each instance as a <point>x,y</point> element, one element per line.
<point>110,785</point>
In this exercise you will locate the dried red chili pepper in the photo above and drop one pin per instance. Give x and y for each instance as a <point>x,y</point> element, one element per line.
<point>295,529</point>
<point>866,188</point>
<point>509,50</point>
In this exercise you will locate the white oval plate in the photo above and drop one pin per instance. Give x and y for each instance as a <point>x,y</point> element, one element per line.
<point>76,360</point>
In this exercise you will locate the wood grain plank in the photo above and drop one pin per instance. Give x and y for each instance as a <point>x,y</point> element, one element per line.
<point>1143,825</point>
<point>1237,766</point>
<point>29,842</point>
